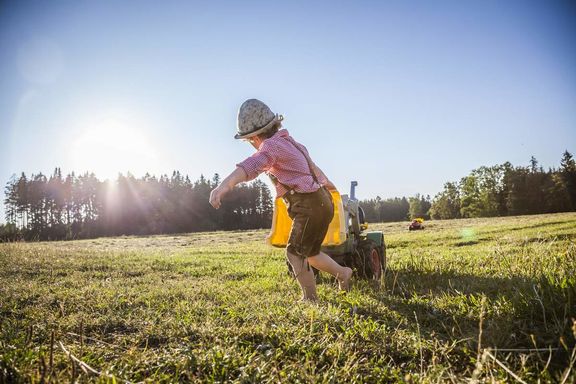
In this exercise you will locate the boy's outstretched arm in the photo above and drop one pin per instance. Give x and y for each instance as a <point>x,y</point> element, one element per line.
<point>236,177</point>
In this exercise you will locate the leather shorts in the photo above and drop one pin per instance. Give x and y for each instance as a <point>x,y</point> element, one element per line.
<point>311,214</point>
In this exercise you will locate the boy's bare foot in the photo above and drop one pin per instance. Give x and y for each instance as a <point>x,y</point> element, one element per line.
<point>344,281</point>
<point>309,300</point>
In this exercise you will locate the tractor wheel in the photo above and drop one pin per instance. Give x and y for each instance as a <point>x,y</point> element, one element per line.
<point>383,260</point>
<point>361,216</point>
<point>370,265</point>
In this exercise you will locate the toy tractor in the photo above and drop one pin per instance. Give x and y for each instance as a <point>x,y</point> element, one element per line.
<point>348,242</point>
<point>416,224</point>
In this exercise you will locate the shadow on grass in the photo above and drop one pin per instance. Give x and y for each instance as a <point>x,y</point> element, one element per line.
<point>518,312</point>
<point>465,243</point>
<point>537,225</point>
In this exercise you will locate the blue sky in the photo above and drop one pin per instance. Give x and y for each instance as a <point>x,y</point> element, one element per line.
<point>402,96</point>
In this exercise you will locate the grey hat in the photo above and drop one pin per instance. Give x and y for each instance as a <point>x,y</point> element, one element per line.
<point>254,117</point>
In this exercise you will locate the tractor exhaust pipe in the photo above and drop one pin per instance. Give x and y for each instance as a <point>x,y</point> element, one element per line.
<point>353,186</point>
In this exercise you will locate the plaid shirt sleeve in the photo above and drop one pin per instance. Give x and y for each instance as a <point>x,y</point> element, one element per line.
<point>257,163</point>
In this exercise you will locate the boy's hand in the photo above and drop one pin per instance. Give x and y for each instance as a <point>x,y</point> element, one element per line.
<point>216,196</point>
<point>238,176</point>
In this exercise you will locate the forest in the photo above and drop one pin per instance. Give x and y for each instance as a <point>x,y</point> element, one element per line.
<point>500,190</point>
<point>72,207</point>
<point>57,207</point>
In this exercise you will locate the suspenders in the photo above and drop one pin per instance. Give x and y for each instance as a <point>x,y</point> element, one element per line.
<point>288,189</point>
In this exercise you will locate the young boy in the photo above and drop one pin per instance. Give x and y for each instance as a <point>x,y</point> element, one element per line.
<point>301,184</point>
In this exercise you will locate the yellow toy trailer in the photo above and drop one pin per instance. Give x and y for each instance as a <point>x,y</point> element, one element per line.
<point>347,240</point>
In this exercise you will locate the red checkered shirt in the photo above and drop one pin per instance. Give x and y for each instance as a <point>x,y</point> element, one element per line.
<point>279,157</point>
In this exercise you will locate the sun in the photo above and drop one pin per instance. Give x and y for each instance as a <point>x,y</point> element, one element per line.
<point>113,145</point>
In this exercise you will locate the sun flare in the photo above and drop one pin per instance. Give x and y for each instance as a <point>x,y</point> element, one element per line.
<point>111,146</point>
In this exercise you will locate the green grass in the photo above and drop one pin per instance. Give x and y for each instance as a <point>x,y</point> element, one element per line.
<point>220,307</point>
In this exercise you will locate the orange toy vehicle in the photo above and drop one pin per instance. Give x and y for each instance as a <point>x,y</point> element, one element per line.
<point>416,224</point>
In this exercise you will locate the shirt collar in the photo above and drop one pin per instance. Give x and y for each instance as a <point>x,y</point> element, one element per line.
<point>280,133</point>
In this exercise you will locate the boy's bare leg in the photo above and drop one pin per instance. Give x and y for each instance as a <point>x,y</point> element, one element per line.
<point>325,263</point>
<point>304,275</point>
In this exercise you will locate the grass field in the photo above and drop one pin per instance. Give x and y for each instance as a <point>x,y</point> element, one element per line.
<point>485,300</point>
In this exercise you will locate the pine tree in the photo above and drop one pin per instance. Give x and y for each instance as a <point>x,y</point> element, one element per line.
<point>568,172</point>
<point>22,202</point>
<point>419,207</point>
<point>11,200</point>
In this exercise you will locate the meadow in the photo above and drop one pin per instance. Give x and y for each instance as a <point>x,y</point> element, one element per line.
<point>475,300</point>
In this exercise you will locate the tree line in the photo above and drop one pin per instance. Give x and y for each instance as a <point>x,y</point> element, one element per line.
<point>500,190</point>
<point>504,190</point>
<point>73,207</point>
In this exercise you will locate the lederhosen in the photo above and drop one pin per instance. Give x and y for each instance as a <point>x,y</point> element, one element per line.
<point>311,214</point>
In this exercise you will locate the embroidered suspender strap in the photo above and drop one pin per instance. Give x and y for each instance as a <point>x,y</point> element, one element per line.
<point>312,173</point>
<point>275,180</point>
